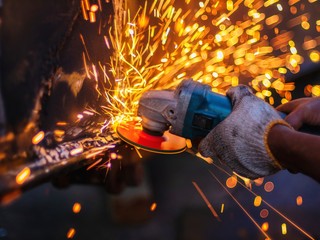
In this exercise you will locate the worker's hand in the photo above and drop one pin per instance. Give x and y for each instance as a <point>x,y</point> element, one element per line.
<point>302,111</point>
<point>240,140</point>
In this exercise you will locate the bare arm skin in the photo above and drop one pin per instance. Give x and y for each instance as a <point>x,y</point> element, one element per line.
<point>297,151</point>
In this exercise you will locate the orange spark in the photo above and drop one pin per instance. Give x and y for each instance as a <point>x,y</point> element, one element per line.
<point>206,201</point>
<point>88,113</point>
<point>94,164</point>
<point>84,11</point>
<point>87,4</point>
<point>100,5</point>
<point>76,151</point>
<point>264,213</point>
<point>10,197</point>
<point>265,226</point>
<point>71,233</point>
<point>153,207</point>
<point>94,153</point>
<point>284,228</point>
<point>299,200</point>
<point>239,204</point>
<point>38,137</point>
<point>92,17</point>
<point>222,208</point>
<point>268,186</point>
<point>23,175</point>
<point>113,156</point>
<point>58,133</point>
<point>85,46</point>
<point>61,124</point>
<point>188,143</point>
<point>257,201</point>
<point>76,208</point>
<point>138,152</point>
<point>232,181</point>
<point>269,205</point>
<point>94,8</point>
<point>258,181</point>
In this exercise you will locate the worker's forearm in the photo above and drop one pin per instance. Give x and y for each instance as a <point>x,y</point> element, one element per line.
<point>296,151</point>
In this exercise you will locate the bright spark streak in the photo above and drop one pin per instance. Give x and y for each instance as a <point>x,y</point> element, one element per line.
<point>85,46</point>
<point>76,208</point>
<point>23,175</point>
<point>76,151</point>
<point>71,233</point>
<point>138,152</point>
<point>240,205</point>
<point>270,206</point>
<point>206,201</point>
<point>137,49</point>
<point>94,164</point>
<point>38,137</point>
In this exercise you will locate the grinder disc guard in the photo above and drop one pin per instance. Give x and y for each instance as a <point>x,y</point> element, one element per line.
<point>132,133</point>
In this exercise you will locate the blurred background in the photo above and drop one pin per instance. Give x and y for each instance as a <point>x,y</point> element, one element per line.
<point>44,81</point>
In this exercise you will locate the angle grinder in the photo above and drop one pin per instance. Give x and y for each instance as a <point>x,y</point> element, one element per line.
<point>169,117</point>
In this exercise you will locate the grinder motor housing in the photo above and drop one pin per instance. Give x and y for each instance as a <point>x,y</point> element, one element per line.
<point>191,111</point>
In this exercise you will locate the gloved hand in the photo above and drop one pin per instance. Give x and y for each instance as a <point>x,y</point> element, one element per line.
<point>240,141</point>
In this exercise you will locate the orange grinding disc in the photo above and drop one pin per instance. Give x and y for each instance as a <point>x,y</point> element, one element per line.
<point>132,133</point>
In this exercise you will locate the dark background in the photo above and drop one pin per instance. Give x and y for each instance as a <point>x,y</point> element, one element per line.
<point>45,212</point>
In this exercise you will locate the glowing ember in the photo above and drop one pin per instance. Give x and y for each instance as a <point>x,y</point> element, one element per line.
<point>23,175</point>
<point>284,228</point>
<point>94,8</point>
<point>268,186</point>
<point>88,113</point>
<point>206,201</point>
<point>240,205</point>
<point>206,159</point>
<point>264,213</point>
<point>109,165</point>
<point>153,207</point>
<point>71,233</point>
<point>113,156</point>
<point>10,197</point>
<point>38,137</point>
<point>138,152</point>
<point>258,181</point>
<point>61,123</point>
<point>265,226</point>
<point>76,208</point>
<point>222,208</point>
<point>231,182</point>
<point>76,151</point>
<point>299,200</point>
<point>257,201</point>
<point>92,17</point>
<point>315,56</point>
<point>94,164</point>
<point>188,143</point>
<point>58,133</point>
<point>218,43</point>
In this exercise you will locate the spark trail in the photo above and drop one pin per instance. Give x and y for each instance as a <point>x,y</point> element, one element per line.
<point>156,44</point>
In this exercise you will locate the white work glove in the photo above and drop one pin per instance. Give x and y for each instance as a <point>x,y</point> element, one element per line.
<point>240,141</point>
